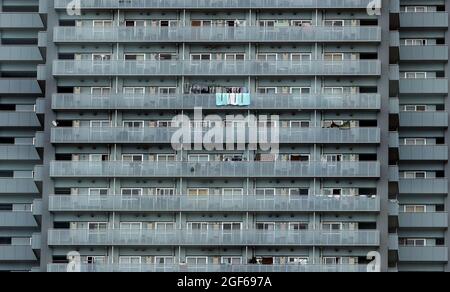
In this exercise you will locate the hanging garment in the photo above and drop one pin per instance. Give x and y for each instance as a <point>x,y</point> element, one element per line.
<point>219,100</point>
<point>239,98</point>
<point>246,100</point>
<point>233,100</point>
<point>226,98</point>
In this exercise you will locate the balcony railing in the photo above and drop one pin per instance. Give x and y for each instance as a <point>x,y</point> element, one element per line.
<point>209,268</point>
<point>164,135</point>
<point>208,101</point>
<point>217,68</point>
<point>228,203</point>
<point>180,34</point>
<point>366,169</point>
<point>177,237</point>
<point>216,4</point>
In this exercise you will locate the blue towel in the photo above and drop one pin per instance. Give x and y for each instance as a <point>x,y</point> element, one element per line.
<point>219,99</point>
<point>239,98</point>
<point>246,99</point>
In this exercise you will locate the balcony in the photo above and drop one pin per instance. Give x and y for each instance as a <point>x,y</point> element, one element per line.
<point>16,21</point>
<point>423,253</point>
<point>121,135</point>
<point>213,203</point>
<point>18,153</point>
<point>16,253</point>
<point>424,20</point>
<point>393,173</point>
<point>18,186</point>
<point>178,237</point>
<point>12,86</point>
<point>424,86</point>
<point>424,152</point>
<point>215,4</point>
<point>216,68</point>
<point>190,34</point>
<point>19,120</point>
<point>437,119</point>
<point>424,53</point>
<point>424,220</point>
<point>214,169</point>
<point>17,220</point>
<point>393,140</point>
<point>208,101</point>
<point>60,268</point>
<point>424,186</point>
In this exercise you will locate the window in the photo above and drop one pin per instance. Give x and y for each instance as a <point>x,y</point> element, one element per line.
<point>265,225</point>
<point>166,157</point>
<point>95,260</point>
<point>333,56</point>
<point>414,175</point>
<point>133,124</point>
<point>415,42</point>
<point>197,261</point>
<point>415,9</point>
<point>100,124</point>
<point>102,23</point>
<point>198,192</point>
<point>96,157</point>
<point>134,90</point>
<point>134,57</point>
<point>98,191</point>
<point>129,260</point>
<point>414,75</point>
<point>333,90</point>
<point>231,226</point>
<point>298,260</point>
<point>334,23</point>
<point>267,90</point>
<point>101,57</point>
<point>167,90</point>
<point>414,141</point>
<point>198,157</point>
<point>97,226</point>
<point>200,57</point>
<point>414,208</point>
<point>164,192</point>
<point>100,91</point>
<point>134,23</point>
<point>133,157</point>
<point>267,57</point>
<point>232,192</point>
<point>301,57</point>
<point>301,22</point>
<point>234,57</point>
<point>231,260</point>
<point>414,108</point>
<point>131,225</point>
<point>131,192</point>
<point>412,241</point>
<point>300,90</point>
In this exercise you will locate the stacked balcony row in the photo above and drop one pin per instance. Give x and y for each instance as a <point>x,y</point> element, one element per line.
<point>181,237</point>
<point>67,102</point>
<point>244,34</point>
<point>121,135</point>
<point>210,268</point>
<point>61,169</point>
<point>216,68</point>
<point>216,4</point>
<point>247,203</point>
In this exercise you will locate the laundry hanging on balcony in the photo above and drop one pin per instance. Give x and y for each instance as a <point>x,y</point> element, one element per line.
<point>236,99</point>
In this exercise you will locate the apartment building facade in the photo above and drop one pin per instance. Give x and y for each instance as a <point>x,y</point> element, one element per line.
<point>21,126</point>
<point>352,96</point>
